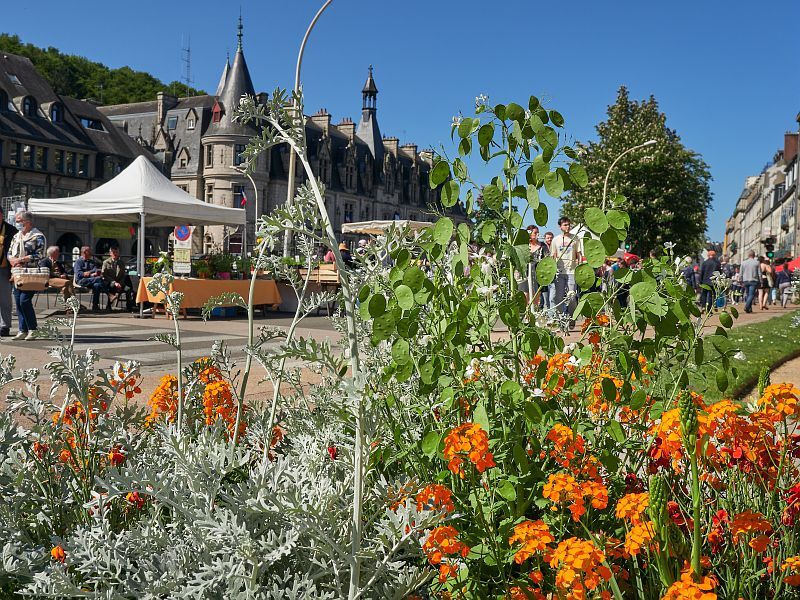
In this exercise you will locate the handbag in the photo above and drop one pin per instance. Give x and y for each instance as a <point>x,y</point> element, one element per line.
<point>32,279</point>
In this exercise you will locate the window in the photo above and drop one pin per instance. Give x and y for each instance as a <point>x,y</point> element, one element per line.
<point>238,149</point>
<point>348,212</point>
<point>190,123</point>
<point>210,193</point>
<point>29,106</point>
<point>41,158</point>
<point>83,165</point>
<point>15,158</point>
<point>14,79</point>
<point>58,160</point>
<point>216,113</point>
<point>89,123</point>
<point>210,156</point>
<point>172,123</point>
<point>27,156</point>
<point>182,162</point>
<point>238,196</point>
<point>56,113</point>
<point>72,163</point>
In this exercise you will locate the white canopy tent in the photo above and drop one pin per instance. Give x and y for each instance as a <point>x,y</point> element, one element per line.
<point>379,227</point>
<point>139,193</point>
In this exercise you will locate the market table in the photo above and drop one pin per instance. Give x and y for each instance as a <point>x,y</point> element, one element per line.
<point>196,292</point>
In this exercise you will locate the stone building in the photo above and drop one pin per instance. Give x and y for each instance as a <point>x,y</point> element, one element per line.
<point>367,176</point>
<point>54,146</point>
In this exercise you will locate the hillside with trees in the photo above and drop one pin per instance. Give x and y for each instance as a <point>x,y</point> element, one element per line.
<point>79,77</point>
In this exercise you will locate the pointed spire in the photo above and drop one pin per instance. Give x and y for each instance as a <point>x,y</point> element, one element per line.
<point>368,130</point>
<point>225,70</point>
<point>241,27</point>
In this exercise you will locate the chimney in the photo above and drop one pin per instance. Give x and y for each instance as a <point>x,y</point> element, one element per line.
<point>348,128</point>
<point>322,119</point>
<point>790,146</point>
<point>390,144</point>
<point>427,156</point>
<point>164,102</point>
<point>409,150</point>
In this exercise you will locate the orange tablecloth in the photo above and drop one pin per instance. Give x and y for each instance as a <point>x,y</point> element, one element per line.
<point>196,292</point>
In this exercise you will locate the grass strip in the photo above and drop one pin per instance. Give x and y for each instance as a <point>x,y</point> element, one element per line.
<point>768,343</point>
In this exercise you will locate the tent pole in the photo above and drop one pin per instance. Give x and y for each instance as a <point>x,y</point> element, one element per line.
<point>140,258</point>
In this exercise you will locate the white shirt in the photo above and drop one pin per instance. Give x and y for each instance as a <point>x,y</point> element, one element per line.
<point>566,249</point>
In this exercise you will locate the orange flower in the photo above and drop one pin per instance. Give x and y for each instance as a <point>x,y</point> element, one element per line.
<point>596,492</point>
<point>580,567</point>
<point>435,497</point>
<point>57,553</point>
<point>561,488</point>
<point>471,440</point>
<point>534,537</point>
<point>440,545</point>
<point>164,400</point>
<point>748,522</point>
<point>792,565</point>
<point>567,445</point>
<point>688,589</point>
<point>639,537</point>
<point>599,402</point>
<point>631,507</point>
<point>218,403</point>
<point>527,593</point>
<point>136,499</point>
<point>40,449</point>
<point>759,543</point>
<point>780,400</point>
<point>115,456</point>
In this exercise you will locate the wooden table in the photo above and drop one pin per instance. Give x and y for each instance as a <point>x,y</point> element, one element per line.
<point>196,292</point>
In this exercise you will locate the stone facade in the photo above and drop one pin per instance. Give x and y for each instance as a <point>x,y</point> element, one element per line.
<point>367,176</point>
<point>55,146</point>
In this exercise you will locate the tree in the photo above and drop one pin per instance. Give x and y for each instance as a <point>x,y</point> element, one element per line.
<point>665,186</point>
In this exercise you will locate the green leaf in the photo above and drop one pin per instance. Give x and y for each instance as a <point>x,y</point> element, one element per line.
<point>515,112</point>
<point>488,231</point>
<point>414,278</point>
<point>609,389</point>
<point>428,371</point>
<point>540,167</point>
<point>579,175</point>
<point>722,380</point>
<point>610,241</point>
<point>556,118</point>
<point>536,123</point>
<point>547,138</point>
<point>507,490</point>
<point>465,146</point>
<point>595,220</point>
<point>533,103</point>
<point>554,184</point>
<point>363,293</point>
<point>480,417</point>
<point>643,290</point>
<point>532,194</point>
<point>639,399</point>
<point>377,305</point>
<point>595,253</point>
<point>430,443</point>
<point>546,270</point>
<point>465,127</point>
<point>585,276</point>
<point>726,320</point>
<point>492,196</point>
<point>459,169</point>
<point>400,351</point>
<point>533,414</point>
<point>383,327</point>
<point>540,214</point>
<point>485,134</point>
<point>439,174</point>
<point>618,219</point>
<point>450,192</point>
<point>614,429</point>
<point>443,231</point>
<point>405,296</point>
<point>512,391</point>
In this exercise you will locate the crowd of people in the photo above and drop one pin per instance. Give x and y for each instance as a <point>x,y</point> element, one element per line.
<point>25,247</point>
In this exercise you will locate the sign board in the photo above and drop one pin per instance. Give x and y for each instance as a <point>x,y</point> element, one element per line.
<point>182,250</point>
<point>111,229</point>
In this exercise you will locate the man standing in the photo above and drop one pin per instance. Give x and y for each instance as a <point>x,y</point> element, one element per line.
<point>566,250</point>
<point>116,279</point>
<point>710,266</point>
<point>750,271</point>
<point>88,275</point>
<point>7,232</point>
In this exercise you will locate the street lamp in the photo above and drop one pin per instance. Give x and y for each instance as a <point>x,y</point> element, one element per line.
<point>290,187</point>
<point>616,160</point>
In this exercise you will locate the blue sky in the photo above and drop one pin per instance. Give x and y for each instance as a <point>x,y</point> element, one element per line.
<point>725,73</point>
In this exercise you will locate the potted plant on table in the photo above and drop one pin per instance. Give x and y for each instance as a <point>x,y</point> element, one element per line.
<point>203,269</point>
<point>222,264</point>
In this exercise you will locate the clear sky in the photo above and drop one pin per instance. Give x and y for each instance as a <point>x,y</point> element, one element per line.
<point>725,72</point>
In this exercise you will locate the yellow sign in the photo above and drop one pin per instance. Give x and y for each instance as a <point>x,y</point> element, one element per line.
<point>111,229</point>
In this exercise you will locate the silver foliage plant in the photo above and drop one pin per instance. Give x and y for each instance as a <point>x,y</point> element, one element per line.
<point>286,509</point>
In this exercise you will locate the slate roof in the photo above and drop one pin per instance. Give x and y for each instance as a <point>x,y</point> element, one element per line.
<point>237,84</point>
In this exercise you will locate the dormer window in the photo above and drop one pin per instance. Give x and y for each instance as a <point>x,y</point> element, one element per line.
<point>29,106</point>
<point>190,123</point>
<point>14,79</point>
<point>56,113</point>
<point>216,113</point>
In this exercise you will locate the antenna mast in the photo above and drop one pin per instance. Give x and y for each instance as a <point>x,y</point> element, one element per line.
<point>186,59</point>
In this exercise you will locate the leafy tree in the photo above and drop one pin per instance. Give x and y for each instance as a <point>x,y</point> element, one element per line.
<point>79,77</point>
<point>665,186</point>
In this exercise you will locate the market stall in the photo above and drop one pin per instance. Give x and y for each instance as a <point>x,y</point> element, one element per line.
<point>139,194</point>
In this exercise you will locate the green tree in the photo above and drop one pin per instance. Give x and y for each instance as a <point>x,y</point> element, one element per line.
<point>665,186</point>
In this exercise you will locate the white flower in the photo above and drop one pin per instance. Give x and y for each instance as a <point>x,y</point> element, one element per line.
<point>486,268</point>
<point>740,356</point>
<point>569,347</point>
<point>669,245</point>
<point>481,100</point>
<point>472,367</point>
<point>486,290</point>
<point>574,361</point>
<point>425,340</point>
<point>457,121</point>
<point>538,393</point>
<point>489,358</point>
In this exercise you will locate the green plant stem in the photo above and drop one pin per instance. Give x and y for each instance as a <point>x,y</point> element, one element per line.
<point>696,508</point>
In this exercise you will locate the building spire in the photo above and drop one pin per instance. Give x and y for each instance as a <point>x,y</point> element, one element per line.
<point>370,92</point>
<point>240,28</point>
<point>368,130</point>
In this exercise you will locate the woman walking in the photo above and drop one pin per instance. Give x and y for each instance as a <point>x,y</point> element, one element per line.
<point>27,249</point>
<point>767,281</point>
<point>538,252</point>
<point>783,279</point>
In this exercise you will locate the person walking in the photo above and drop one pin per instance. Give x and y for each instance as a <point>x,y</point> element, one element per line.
<point>89,275</point>
<point>538,251</point>
<point>783,280</point>
<point>710,266</point>
<point>766,282</point>
<point>26,250</point>
<point>751,277</point>
<point>7,232</point>
<point>548,291</point>
<point>566,249</point>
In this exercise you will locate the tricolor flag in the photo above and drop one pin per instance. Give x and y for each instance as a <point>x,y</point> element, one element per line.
<point>244,199</point>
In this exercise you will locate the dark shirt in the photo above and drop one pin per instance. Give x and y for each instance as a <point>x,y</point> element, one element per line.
<point>783,276</point>
<point>82,266</point>
<point>688,275</point>
<point>707,270</point>
<point>347,258</point>
<point>57,269</point>
<point>7,231</point>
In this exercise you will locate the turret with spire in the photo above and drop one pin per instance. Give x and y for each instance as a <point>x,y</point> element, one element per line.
<point>225,70</point>
<point>368,130</point>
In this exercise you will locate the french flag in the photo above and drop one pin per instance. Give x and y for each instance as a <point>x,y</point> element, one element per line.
<point>244,200</point>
